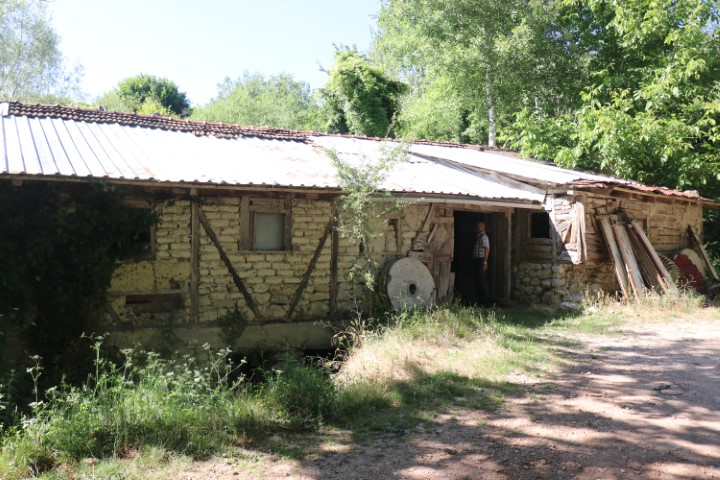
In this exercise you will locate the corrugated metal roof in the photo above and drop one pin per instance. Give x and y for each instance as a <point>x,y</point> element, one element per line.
<point>422,175</point>
<point>515,167</point>
<point>54,146</point>
<point>70,147</point>
<point>64,141</point>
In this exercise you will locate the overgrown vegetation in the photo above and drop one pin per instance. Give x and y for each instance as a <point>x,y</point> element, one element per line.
<point>404,372</point>
<point>59,248</point>
<point>364,202</point>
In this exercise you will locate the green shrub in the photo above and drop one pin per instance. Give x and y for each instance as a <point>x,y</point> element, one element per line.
<point>302,392</point>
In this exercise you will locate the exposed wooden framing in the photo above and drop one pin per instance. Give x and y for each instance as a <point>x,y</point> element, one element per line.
<point>164,302</point>
<point>508,256</point>
<point>288,222</point>
<point>308,271</point>
<point>334,252</point>
<point>399,236</point>
<point>422,234</point>
<point>581,231</point>
<point>226,260</point>
<point>194,260</point>
<point>554,234</point>
<point>245,222</point>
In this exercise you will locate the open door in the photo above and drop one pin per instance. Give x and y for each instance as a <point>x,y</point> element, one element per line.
<point>499,269</point>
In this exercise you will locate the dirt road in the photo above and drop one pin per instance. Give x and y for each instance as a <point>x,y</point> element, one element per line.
<point>641,404</point>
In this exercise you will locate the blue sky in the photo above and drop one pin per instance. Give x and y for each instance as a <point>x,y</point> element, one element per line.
<point>199,43</point>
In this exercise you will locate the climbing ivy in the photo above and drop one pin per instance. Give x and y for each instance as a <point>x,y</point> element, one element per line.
<point>365,201</point>
<point>59,247</point>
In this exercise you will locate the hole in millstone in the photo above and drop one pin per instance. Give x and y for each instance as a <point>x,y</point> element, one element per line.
<point>413,288</point>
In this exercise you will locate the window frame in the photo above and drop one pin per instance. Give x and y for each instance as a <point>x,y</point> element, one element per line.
<point>249,206</point>
<point>530,229</point>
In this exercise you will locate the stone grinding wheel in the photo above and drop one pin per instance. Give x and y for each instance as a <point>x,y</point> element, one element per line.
<point>409,284</point>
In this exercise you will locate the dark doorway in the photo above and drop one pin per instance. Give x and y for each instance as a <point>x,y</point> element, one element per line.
<point>496,227</point>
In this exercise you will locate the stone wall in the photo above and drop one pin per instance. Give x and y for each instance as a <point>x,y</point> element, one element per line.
<point>547,284</point>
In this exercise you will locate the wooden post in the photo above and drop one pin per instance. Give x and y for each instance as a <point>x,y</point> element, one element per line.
<point>308,272</point>
<point>245,222</point>
<point>233,273</point>
<point>508,256</point>
<point>334,251</point>
<point>194,260</point>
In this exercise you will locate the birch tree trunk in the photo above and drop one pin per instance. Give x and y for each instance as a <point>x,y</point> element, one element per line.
<point>491,107</point>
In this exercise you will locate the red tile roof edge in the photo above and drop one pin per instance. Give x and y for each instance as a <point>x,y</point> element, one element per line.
<point>220,130</point>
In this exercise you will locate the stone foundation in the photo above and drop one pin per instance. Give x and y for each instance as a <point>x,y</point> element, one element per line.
<point>546,284</point>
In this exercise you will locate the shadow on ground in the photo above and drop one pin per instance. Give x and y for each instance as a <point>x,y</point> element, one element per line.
<point>641,405</point>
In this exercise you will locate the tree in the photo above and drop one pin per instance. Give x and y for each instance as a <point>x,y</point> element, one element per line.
<point>652,109</point>
<point>488,58</point>
<point>31,64</point>
<point>253,99</point>
<point>147,94</point>
<point>360,99</point>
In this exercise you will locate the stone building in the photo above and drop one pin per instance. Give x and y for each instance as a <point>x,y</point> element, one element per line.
<point>252,217</point>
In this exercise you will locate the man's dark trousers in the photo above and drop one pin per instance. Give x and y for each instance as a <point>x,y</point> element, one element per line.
<point>481,284</point>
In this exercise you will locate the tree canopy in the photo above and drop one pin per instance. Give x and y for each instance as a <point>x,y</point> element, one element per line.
<point>32,67</point>
<point>473,63</point>
<point>147,94</point>
<point>359,98</point>
<point>253,99</point>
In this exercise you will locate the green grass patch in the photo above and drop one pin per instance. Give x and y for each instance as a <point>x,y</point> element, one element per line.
<point>397,376</point>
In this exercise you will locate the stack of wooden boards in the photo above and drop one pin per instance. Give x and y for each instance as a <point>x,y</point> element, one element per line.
<point>638,267</point>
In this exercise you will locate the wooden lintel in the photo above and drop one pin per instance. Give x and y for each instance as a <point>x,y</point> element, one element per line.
<point>226,260</point>
<point>308,271</point>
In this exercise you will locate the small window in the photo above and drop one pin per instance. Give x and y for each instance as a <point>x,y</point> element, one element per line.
<point>540,225</point>
<point>269,231</point>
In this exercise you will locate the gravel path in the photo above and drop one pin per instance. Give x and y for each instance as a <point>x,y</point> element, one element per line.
<point>644,404</point>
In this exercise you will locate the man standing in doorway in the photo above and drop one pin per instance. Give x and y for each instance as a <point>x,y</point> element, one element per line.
<point>481,253</point>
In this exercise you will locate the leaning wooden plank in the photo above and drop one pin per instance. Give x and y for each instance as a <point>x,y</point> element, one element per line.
<point>226,260</point>
<point>308,271</point>
<point>704,254</point>
<point>620,272</point>
<point>659,265</point>
<point>629,259</point>
<point>648,269</point>
<point>582,231</point>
